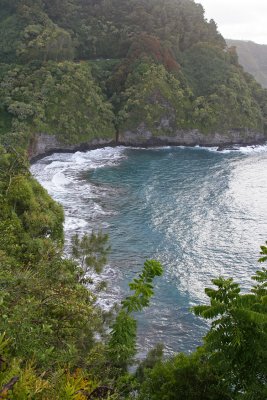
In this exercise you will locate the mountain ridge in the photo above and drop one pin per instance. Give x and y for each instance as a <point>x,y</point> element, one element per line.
<point>253,57</point>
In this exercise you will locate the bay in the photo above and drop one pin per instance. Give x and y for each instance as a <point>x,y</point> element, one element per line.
<point>202,213</point>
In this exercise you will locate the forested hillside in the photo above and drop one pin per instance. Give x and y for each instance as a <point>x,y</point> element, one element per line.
<point>135,70</point>
<point>82,71</point>
<point>57,344</point>
<point>253,57</point>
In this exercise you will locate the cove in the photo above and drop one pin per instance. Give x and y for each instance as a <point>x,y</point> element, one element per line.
<point>202,213</point>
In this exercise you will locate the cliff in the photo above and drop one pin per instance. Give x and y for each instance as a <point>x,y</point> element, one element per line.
<point>86,75</point>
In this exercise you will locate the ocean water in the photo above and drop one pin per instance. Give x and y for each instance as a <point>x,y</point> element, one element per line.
<point>202,213</point>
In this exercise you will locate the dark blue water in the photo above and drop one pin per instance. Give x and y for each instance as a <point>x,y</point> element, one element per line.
<point>201,213</point>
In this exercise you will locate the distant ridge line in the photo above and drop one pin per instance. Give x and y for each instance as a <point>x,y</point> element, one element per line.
<point>253,57</point>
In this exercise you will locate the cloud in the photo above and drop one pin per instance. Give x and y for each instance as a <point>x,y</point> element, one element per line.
<point>238,19</point>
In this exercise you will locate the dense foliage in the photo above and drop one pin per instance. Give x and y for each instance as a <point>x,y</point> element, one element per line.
<point>84,70</point>
<point>232,362</point>
<point>54,341</point>
<point>154,65</point>
<point>50,324</point>
<point>62,99</point>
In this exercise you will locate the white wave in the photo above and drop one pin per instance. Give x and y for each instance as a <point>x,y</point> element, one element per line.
<point>56,165</point>
<point>215,149</point>
<point>239,149</point>
<point>210,148</point>
<point>98,158</point>
<point>98,209</point>
<point>59,179</point>
<point>64,177</point>
<point>72,224</point>
<point>95,158</point>
<point>254,149</point>
<point>159,148</point>
<point>61,174</point>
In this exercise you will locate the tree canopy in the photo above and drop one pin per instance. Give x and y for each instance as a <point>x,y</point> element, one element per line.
<point>85,70</point>
<point>72,69</point>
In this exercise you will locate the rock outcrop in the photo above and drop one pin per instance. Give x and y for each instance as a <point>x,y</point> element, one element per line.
<point>43,145</point>
<point>143,136</point>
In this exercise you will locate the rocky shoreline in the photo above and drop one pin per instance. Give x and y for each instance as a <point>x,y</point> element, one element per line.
<point>44,145</point>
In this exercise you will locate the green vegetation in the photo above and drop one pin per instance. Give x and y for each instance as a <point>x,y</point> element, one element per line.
<point>52,331</point>
<point>253,57</point>
<point>85,70</point>
<point>57,98</point>
<point>155,97</point>
<point>232,362</point>
<point>54,339</point>
<point>122,346</point>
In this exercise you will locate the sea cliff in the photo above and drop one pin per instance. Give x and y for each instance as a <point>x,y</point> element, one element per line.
<point>44,144</point>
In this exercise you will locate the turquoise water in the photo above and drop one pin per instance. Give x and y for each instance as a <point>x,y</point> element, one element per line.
<point>200,212</point>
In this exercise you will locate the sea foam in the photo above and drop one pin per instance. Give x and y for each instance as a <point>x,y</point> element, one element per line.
<point>64,177</point>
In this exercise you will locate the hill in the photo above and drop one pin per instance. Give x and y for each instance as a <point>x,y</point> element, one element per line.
<point>253,57</point>
<point>137,72</point>
<point>96,72</point>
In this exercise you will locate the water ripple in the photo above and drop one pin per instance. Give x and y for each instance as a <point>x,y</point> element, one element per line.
<point>200,212</point>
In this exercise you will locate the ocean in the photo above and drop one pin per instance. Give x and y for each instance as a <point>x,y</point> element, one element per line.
<point>201,212</point>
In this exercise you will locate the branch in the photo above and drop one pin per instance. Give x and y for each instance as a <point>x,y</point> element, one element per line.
<point>8,386</point>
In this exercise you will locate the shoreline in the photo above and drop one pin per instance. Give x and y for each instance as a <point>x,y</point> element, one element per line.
<point>84,147</point>
<point>77,205</point>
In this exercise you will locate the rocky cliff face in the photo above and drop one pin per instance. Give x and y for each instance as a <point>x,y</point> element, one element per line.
<point>43,144</point>
<point>142,136</point>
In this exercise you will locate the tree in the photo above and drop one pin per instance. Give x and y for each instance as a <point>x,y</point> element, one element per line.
<point>60,318</point>
<point>232,363</point>
<point>45,43</point>
<point>183,377</point>
<point>90,251</point>
<point>236,342</point>
<point>122,342</point>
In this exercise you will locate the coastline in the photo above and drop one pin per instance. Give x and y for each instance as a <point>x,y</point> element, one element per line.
<point>43,150</point>
<point>66,186</point>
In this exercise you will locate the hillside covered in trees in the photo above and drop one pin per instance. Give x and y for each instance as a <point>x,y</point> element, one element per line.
<point>56,343</point>
<point>84,71</point>
<point>253,57</point>
<point>133,70</point>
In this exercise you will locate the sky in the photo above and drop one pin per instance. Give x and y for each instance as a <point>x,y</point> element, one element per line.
<point>239,19</point>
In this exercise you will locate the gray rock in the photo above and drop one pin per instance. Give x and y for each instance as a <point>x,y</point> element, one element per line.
<point>43,144</point>
<point>142,136</point>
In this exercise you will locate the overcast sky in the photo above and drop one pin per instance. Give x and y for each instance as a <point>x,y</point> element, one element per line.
<point>239,19</point>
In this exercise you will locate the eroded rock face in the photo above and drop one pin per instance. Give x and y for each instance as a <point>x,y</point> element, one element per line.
<point>44,144</point>
<point>143,136</point>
